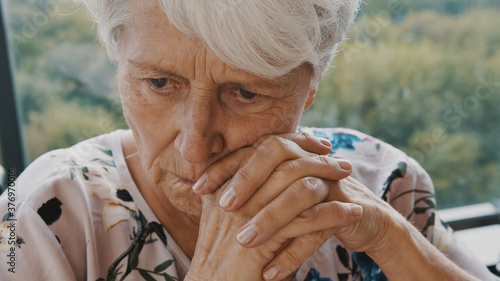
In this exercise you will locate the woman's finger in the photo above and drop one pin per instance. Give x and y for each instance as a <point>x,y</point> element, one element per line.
<point>220,172</point>
<point>278,215</point>
<point>264,156</point>
<point>294,254</point>
<point>299,196</point>
<point>309,142</point>
<point>319,166</point>
<point>249,168</point>
<point>322,216</point>
<point>282,198</point>
<point>252,175</point>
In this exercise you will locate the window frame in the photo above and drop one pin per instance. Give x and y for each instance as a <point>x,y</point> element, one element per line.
<point>11,140</point>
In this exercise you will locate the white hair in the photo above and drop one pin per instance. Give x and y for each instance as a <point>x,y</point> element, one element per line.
<point>266,37</point>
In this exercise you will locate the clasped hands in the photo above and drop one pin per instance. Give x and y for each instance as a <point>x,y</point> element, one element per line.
<point>270,206</point>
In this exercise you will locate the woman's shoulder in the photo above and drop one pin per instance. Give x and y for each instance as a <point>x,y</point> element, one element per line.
<point>75,204</point>
<point>65,171</point>
<point>73,185</point>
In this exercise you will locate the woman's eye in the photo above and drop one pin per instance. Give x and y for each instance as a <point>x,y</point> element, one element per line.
<point>246,94</point>
<point>159,83</point>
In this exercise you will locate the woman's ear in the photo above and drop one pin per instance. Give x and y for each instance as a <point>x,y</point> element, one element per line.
<point>312,92</point>
<point>310,97</point>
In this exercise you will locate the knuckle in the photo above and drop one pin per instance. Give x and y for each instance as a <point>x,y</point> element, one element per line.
<point>289,167</point>
<point>244,174</point>
<point>334,210</point>
<point>311,184</point>
<point>306,136</point>
<point>223,169</point>
<point>265,253</point>
<point>257,202</point>
<point>234,158</point>
<point>292,255</point>
<point>271,216</point>
<point>218,176</point>
<point>310,215</point>
<point>314,238</point>
<point>280,176</point>
<point>325,160</point>
<point>315,212</point>
<point>270,144</point>
<point>304,190</point>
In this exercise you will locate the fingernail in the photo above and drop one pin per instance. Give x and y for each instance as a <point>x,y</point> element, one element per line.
<point>200,183</point>
<point>325,142</point>
<point>247,235</point>
<point>227,198</point>
<point>272,272</point>
<point>356,210</point>
<point>344,164</point>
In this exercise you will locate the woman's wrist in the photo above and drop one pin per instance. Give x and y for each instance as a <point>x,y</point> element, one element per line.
<point>406,254</point>
<point>394,239</point>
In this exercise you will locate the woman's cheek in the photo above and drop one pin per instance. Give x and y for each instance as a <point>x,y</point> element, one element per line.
<point>284,120</point>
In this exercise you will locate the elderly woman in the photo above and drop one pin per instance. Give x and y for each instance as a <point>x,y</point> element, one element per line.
<point>215,180</point>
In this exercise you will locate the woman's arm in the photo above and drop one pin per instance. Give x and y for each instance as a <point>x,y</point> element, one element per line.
<point>376,226</point>
<point>405,254</point>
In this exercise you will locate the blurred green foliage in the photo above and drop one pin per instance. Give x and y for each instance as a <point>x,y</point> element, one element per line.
<point>428,84</point>
<point>421,75</point>
<point>65,83</point>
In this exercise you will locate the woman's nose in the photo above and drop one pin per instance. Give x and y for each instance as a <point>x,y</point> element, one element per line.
<point>198,136</point>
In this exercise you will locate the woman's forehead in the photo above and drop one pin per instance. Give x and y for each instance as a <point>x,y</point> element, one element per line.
<point>240,52</point>
<point>155,47</point>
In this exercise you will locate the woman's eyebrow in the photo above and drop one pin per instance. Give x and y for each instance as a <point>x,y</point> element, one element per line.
<point>273,85</point>
<point>153,69</point>
<point>262,83</point>
<point>252,83</point>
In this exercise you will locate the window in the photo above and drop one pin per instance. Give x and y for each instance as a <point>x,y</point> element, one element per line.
<point>65,84</point>
<point>424,76</point>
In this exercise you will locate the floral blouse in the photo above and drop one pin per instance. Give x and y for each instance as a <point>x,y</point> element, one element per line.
<point>76,214</point>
